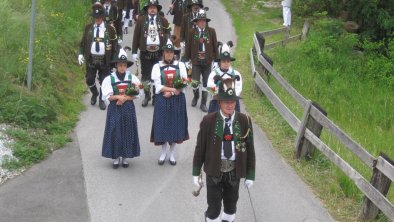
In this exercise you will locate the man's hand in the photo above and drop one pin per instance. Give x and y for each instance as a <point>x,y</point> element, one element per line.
<point>81,59</point>
<point>197,182</point>
<point>134,57</point>
<point>248,183</point>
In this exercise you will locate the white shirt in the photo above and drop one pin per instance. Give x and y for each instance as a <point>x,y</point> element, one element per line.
<point>156,73</point>
<point>231,130</point>
<point>238,84</point>
<point>101,51</point>
<point>107,90</point>
<point>152,37</point>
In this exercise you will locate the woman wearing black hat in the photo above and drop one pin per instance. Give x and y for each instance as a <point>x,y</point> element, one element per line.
<point>224,71</point>
<point>170,123</point>
<point>121,133</point>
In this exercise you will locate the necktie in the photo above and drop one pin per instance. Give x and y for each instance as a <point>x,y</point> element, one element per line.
<point>97,38</point>
<point>228,137</point>
<point>201,44</point>
<point>106,10</point>
<point>151,20</point>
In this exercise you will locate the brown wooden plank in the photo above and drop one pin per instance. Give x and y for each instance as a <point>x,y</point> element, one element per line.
<point>302,128</point>
<point>256,45</point>
<point>385,167</point>
<point>371,192</point>
<point>294,93</point>
<point>305,30</point>
<point>273,44</point>
<point>294,38</point>
<point>354,147</point>
<point>291,119</point>
<point>274,31</point>
<point>252,67</point>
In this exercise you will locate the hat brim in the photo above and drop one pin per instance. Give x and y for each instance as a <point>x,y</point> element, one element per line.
<point>219,59</point>
<point>230,98</point>
<point>190,5</point>
<point>206,19</point>
<point>159,7</point>
<point>129,63</point>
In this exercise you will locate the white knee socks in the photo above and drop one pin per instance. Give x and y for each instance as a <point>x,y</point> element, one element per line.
<point>163,151</point>
<point>172,152</point>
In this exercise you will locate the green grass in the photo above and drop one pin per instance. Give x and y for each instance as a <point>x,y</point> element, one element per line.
<point>42,118</point>
<point>326,70</point>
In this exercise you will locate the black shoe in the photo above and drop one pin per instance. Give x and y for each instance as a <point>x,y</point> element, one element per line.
<point>194,101</point>
<point>145,102</point>
<point>125,164</point>
<point>203,108</point>
<point>161,162</point>
<point>172,162</point>
<point>102,105</point>
<point>115,165</point>
<point>93,100</point>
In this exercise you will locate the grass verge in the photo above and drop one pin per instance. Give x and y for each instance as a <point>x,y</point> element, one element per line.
<point>327,75</point>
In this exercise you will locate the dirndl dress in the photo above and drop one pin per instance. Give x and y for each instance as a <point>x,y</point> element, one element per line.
<point>121,134</point>
<point>170,123</point>
<point>214,106</point>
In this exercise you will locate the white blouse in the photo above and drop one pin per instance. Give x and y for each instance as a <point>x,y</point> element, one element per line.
<point>107,90</point>
<point>156,73</point>
<point>238,84</point>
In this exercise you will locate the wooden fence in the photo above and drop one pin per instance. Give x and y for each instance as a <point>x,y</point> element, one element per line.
<point>308,132</point>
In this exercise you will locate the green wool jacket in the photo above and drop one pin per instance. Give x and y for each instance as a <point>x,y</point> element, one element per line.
<point>209,146</point>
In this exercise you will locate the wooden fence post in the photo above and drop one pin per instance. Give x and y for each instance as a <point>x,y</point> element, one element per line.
<point>303,147</point>
<point>305,30</point>
<point>381,182</point>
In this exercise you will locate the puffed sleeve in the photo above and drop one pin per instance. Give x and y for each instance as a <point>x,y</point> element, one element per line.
<point>106,89</point>
<point>211,82</point>
<point>238,84</point>
<point>182,70</point>
<point>156,77</point>
<point>137,82</point>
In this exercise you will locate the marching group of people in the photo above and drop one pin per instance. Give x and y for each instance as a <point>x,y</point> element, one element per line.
<point>191,56</point>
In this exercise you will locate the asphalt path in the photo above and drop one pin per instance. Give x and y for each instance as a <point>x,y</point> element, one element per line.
<point>64,188</point>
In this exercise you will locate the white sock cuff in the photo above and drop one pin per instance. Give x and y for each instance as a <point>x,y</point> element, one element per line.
<point>228,217</point>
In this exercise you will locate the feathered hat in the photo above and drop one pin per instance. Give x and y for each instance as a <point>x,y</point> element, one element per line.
<point>225,51</point>
<point>226,89</point>
<point>98,10</point>
<point>195,2</point>
<point>122,57</point>
<point>201,15</point>
<point>152,2</point>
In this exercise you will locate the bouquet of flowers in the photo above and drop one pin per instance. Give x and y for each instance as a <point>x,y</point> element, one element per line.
<point>180,83</point>
<point>134,89</point>
<point>193,83</point>
<point>211,90</point>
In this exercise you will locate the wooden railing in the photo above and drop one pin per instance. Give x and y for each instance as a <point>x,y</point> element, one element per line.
<point>308,132</point>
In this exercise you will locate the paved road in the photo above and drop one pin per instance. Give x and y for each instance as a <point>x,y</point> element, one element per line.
<point>147,192</point>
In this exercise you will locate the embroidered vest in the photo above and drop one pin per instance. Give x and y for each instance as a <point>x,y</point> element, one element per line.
<point>167,76</point>
<point>116,87</point>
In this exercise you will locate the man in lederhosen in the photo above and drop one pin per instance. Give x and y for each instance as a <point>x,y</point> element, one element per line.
<point>225,147</point>
<point>188,18</point>
<point>201,49</point>
<point>150,34</point>
<point>97,47</point>
<point>178,8</point>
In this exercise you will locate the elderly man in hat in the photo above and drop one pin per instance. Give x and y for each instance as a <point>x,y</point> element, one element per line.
<point>97,46</point>
<point>224,71</point>
<point>201,50</point>
<point>170,123</point>
<point>226,150</point>
<point>150,35</point>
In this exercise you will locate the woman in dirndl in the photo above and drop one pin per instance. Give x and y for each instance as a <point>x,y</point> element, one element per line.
<point>119,89</point>
<point>224,71</point>
<point>170,123</point>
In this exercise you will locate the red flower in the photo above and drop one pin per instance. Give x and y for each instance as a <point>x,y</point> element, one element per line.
<point>189,79</point>
<point>141,86</point>
<point>213,88</point>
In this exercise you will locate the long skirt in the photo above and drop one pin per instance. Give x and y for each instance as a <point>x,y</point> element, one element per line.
<point>170,123</point>
<point>121,133</point>
<point>214,106</point>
